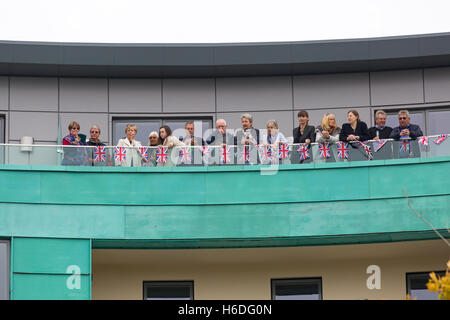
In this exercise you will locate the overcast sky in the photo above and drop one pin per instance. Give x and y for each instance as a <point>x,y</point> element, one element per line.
<point>217,21</point>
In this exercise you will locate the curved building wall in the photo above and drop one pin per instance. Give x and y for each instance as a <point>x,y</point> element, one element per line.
<point>36,106</point>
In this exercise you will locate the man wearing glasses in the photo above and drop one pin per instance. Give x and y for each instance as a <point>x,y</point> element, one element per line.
<point>405,130</point>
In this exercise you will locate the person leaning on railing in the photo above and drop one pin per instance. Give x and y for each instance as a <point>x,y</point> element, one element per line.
<point>355,129</point>
<point>133,156</point>
<point>328,131</point>
<point>74,156</point>
<point>274,136</point>
<point>304,133</point>
<point>167,139</point>
<point>405,130</point>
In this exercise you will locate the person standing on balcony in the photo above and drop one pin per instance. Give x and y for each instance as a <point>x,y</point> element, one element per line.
<point>328,131</point>
<point>380,131</point>
<point>405,130</point>
<point>247,135</point>
<point>168,140</point>
<point>94,141</point>
<point>190,138</point>
<point>133,156</point>
<point>153,140</point>
<point>355,129</point>
<point>220,136</point>
<point>274,136</point>
<point>304,133</point>
<point>74,156</point>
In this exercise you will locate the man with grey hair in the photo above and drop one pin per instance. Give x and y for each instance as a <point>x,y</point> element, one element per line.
<point>220,136</point>
<point>405,130</point>
<point>247,135</point>
<point>380,131</point>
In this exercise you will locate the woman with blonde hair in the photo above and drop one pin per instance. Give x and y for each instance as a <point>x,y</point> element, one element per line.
<point>328,131</point>
<point>133,156</point>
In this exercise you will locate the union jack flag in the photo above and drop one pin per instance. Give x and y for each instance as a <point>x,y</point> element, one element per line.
<point>245,153</point>
<point>342,149</point>
<point>441,138</point>
<point>379,144</point>
<point>162,154</point>
<point>283,151</point>
<point>185,155</point>
<point>405,146</point>
<point>120,154</point>
<point>423,141</point>
<point>324,150</point>
<point>303,151</point>
<point>206,153</point>
<point>225,154</point>
<point>265,153</point>
<point>99,154</point>
<point>367,151</point>
<point>144,152</point>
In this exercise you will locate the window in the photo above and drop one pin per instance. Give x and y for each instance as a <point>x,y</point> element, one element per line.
<point>4,270</point>
<point>297,289</point>
<point>169,290</point>
<point>145,126</point>
<point>416,285</point>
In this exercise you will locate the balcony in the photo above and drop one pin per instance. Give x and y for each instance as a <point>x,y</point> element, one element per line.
<point>208,204</point>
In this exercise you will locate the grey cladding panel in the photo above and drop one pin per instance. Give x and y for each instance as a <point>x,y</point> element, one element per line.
<point>34,94</point>
<point>40,125</point>
<point>135,95</point>
<point>189,95</point>
<point>396,87</point>
<point>331,90</point>
<point>81,94</point>
<point>437,84</point>
<point>4,93</point>
<point>254,94</point>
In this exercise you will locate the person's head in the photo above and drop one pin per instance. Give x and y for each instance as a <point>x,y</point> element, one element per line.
<point>94,133</point>
<point>74,128</point>
<point>189,126</point>
<point>272,127</point>
<point>380,118</point>
<point>403,118</point>
<point>246,121</point>
<point>352,116</point>
<point>303,117</point>
<point>221,125</point>
<point>164,132</point>
<point>130,131</point>
<point>329,122</point>
<point>153,138</point>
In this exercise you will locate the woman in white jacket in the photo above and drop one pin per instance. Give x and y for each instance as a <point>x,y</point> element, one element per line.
<point>133,156</point>
<point>167,139</point>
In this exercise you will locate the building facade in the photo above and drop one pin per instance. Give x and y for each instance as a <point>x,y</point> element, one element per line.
<point>318,230</point>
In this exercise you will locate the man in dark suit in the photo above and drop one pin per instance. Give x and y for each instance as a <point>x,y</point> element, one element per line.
<point>380,131</point>
<point>220,136</point>
<point>190,139</point>
<point>405,130</point>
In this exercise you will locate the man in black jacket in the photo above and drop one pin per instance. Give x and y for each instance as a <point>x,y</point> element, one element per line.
<point>405,130</point>
<point>380,131</point>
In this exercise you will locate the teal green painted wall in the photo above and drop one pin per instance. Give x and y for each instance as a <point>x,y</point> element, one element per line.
<point>222,203</point>
<point>40,269</point>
